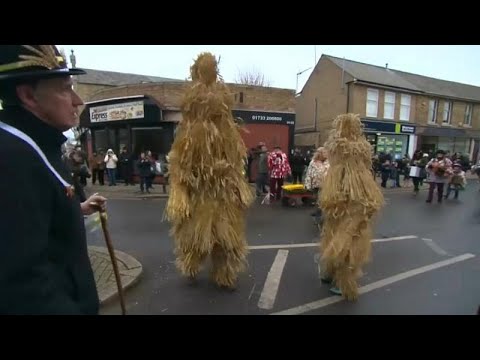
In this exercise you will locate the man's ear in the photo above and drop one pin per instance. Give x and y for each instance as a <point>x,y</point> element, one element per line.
<point>26,94</point>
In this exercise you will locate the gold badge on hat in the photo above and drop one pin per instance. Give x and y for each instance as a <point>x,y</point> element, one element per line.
<point>43,56</point>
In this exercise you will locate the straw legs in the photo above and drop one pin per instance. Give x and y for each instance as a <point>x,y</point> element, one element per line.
<point>227,263</point>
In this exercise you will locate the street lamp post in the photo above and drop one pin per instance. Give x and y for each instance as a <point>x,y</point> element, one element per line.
<point>298,74</point>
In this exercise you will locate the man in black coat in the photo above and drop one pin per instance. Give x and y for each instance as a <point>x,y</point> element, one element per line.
<point>126,166</point>
<point>44,263</point>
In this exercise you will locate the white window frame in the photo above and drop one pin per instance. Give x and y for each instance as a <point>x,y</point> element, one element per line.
<point>405,106</point>
<point>432,113</point>
<point>447,112</point>
<point>387,104</point>
<point>467,120</point>
<point>372,101</point>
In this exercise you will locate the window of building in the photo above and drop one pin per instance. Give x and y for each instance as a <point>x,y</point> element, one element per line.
<point>123,138</point>
<point>432,111</point>
<point>372,103</point>
<point>100,140</point>
<point>405,102</point>
<point>468,115</point>
<point>447,112</point>
<point>389,105</point>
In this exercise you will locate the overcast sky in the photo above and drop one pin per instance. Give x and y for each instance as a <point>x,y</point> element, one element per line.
<point>281,63</point>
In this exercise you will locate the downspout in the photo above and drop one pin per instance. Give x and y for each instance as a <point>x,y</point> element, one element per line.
<point>348,98</point>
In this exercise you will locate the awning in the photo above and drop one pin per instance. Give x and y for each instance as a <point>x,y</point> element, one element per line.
<point>132,109</point>
<point>474,134</point>
<point>442,132</point>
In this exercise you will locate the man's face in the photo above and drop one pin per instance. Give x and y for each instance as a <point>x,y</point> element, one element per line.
<point>56,103</point>
<point>439,156</point>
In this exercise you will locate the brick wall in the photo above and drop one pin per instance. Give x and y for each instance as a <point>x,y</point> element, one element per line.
<point>170,95</point>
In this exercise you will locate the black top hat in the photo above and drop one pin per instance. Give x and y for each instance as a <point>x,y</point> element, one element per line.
<point>26,62</point>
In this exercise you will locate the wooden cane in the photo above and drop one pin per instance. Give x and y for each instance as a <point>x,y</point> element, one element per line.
<point>111,251</point>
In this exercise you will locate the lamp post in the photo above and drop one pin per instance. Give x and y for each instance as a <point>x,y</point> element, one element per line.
<point>298,74</point>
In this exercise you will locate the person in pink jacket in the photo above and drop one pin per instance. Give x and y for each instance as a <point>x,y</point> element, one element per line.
<point>279,168</point>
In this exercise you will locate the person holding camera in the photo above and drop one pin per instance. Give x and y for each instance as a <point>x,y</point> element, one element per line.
<point>439,170</point>
<point>111,164</point>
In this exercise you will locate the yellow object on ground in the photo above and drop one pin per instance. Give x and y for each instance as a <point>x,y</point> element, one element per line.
<point>293,187</point>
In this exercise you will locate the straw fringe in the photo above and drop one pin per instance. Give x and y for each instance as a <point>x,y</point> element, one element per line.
<point>209,194</point>
<point>349,199</point>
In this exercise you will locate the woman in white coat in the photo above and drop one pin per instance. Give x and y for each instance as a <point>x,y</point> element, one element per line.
<point>111,165</point>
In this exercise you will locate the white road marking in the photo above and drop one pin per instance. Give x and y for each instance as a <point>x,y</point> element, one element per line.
<point>289,246</point>
<point>437,249</point>
<point>375,285</point>
<point>270,289</point>
<point>396,238</point>
<point>251,291</point>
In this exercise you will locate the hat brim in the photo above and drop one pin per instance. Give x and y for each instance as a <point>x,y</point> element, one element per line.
<point>41,74</point>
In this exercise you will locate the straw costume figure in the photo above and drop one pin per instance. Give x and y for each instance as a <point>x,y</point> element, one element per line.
<point>349,199</point>
<point>209,194</point>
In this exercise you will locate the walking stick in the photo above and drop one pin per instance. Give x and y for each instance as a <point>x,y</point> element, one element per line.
<point>111,251</point>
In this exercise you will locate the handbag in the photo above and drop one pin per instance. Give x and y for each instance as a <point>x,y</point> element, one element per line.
<point>85,172</point>
<point>415,171</point>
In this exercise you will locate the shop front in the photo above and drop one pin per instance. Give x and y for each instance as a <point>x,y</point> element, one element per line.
<point>396,139</point>
<point>452,141</point>
<point>133,122</point>
<point>271,128</point>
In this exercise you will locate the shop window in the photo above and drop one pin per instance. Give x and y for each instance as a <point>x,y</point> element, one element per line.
<point>446,144</point>
<point>395,145</point>
<point>123,138</point>
<point>100,140</point>
<point>156,139</point>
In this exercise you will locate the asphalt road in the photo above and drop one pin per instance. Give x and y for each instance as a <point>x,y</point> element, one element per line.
<point>426,260</point>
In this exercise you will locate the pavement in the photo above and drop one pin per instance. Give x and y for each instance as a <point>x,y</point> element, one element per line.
<point>133,192</point>
<point>129,268</point>
<point>126,192</point>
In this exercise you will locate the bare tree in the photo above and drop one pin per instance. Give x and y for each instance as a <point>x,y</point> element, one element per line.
<point>252,77</point>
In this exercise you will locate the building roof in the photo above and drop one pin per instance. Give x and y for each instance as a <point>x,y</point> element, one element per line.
<point>400,79</point>
<point>101,77</point>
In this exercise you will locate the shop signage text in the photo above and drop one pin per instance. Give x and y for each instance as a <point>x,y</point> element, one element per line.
<point>125,111</point>
<point>265,117</point>
<point>407,129</point>
<point>384,127</point>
